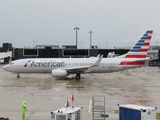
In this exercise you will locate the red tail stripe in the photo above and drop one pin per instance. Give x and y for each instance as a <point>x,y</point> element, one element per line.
<point>151,31</point>
<point>146,44</point>
<point>135,56</point>
<point>132,63</point>
<point>148,37</point>
<point>143,50</point>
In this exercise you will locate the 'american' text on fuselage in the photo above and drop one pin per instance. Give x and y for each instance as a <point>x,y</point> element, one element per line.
<point>47,64</point>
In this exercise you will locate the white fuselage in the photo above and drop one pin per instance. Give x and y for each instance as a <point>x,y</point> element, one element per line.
<point>46,65</point>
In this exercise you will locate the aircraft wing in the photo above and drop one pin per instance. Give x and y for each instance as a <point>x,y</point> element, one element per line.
<point>82,69</point>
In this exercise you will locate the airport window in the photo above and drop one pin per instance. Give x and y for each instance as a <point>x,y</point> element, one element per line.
<point>30,52</point>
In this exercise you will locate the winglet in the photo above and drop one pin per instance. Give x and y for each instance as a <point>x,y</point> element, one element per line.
<point>98,55</point>
<point>97,63</point>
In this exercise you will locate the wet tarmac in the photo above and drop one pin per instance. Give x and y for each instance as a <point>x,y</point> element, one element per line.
<point>44,94</point>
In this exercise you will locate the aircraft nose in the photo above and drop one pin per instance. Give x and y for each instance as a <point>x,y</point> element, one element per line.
<point>6,67</point>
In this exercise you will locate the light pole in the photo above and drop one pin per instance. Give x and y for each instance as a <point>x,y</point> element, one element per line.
<point>106,45</point>
<point>76,28</point>
<point>156,43</point>
<point>81,43</point>
<point>58,43</point>
<point>90,32</point>
<point>34,43</point>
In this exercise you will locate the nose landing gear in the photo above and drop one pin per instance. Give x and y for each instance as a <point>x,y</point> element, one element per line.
<point>18,76</point>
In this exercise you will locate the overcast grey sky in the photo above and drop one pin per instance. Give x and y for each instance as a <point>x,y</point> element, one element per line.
<point>119,22</point>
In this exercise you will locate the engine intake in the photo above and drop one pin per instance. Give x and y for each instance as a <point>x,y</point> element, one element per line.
<point>59,73</point>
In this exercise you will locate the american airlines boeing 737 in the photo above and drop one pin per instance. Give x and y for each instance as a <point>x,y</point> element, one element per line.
<point>62,67</point>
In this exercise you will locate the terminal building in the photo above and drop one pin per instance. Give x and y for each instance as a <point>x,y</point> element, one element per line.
<point>66,51</point>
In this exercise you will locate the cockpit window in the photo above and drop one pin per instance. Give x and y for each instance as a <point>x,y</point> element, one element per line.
<point>11,63</point>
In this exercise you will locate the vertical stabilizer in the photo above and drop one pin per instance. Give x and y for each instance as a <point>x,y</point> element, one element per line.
<point>141,47</point>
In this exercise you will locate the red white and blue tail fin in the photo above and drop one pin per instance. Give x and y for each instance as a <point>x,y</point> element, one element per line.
<point>141,47</point>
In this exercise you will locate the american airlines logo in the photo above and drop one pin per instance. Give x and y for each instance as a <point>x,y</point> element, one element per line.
<point>25,65</point>
<point>47,64</point>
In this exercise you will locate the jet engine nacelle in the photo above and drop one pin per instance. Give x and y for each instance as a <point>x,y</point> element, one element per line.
<point>59,73</point>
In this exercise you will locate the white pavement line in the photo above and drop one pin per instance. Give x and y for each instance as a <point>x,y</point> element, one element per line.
<point>40,114</point>
<point>90,104</point>
<point>113,116</point>
<point>13,117</point>
<point>30,116</point>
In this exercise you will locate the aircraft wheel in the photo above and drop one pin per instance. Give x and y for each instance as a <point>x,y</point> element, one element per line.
<point>78,76</point>
<point>18,76</point>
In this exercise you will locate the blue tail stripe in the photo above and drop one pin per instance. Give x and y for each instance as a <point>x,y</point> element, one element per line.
<point>148,31</point>
<point>141,40</point>
<point>145,35</point>
<point>140,43</point>
<point>137,46</point>
<point>134,50</point>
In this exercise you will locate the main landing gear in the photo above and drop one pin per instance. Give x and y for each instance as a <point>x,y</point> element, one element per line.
<point>18,76</point>
<point>78,76</point>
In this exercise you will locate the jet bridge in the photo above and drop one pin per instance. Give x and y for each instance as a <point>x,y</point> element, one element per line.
<point>4,55</point>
